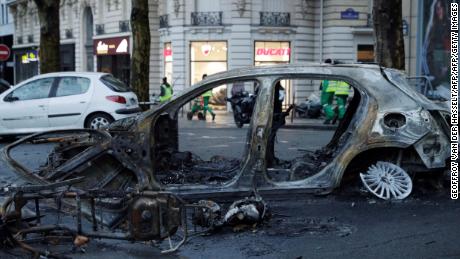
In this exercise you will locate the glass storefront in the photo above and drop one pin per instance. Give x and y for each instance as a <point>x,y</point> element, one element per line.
<point>26,64</point>
<point>268,53</point>
<point>168,58</point>
<point>209,57</point>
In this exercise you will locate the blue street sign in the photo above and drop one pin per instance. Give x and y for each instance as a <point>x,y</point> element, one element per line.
<point>349,14</point>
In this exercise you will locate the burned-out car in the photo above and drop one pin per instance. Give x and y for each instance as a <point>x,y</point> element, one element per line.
<point>388,131</point>
<point>386,121</point>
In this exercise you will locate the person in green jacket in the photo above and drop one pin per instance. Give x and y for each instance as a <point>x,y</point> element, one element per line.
<point>206,96</point>
<point>327,99</point>
<point>342,89</point>
<point>166,91</point>
<point>329,90</point>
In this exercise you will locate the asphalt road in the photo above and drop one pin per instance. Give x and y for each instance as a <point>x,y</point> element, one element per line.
<point>349,223</point>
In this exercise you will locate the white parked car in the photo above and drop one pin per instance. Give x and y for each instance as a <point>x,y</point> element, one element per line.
<point>65,100</point>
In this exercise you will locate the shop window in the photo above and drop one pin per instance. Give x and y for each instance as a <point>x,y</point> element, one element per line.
<point>269,53</point>
<point>209,58</point>
<point>168,58</point>
<point>365,53</point>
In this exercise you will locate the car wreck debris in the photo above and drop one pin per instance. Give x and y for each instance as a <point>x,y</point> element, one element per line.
<point>146,216</point>
<point>247,211</point>
<point>387,181</point>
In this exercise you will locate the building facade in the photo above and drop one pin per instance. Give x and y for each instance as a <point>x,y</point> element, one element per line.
<point>209,36</point>
<point>95,36</point>
<point>190,38</point>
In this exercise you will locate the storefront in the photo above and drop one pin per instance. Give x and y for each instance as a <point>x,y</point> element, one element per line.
<point>168,62</point>
<point>209,57</point>
<point>268,53</point>
<point>26,63</point>
<point>113,57</point>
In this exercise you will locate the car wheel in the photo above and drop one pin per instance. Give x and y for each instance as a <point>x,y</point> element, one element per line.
<point>98,120</point>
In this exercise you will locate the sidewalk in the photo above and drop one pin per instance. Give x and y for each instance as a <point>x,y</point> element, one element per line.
<point>225,120</point>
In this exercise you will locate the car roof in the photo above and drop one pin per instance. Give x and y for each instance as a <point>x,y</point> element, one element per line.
<point>60,74</point>
<point>71,73</point>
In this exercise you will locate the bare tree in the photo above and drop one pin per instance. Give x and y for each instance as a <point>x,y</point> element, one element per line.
<point>48,14</point>
<point>140,62</point>
<point>387,18</point>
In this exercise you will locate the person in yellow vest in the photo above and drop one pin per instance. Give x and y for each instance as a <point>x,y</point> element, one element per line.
<point>166,91</point>
<point>206,96</point>
<point>342,89</point>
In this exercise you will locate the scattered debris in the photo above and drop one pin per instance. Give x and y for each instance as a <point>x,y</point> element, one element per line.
<point>248,211</point>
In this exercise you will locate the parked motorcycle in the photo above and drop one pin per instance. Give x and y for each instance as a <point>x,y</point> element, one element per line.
<point>310,108</point>
<point>242,105</point>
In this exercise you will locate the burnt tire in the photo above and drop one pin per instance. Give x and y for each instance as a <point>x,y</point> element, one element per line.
<point>98,120</point>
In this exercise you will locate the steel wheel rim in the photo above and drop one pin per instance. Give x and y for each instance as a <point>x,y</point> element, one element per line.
<point>387,181</point>
<point>99,122</point>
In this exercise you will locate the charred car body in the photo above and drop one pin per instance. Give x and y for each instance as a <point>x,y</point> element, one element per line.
<point>388,129</point>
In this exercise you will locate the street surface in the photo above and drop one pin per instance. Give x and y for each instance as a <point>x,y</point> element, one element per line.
<point>349,223</point>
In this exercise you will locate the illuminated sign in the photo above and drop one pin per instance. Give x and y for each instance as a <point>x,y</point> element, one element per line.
<point>31,56</point>
<point>273,52</point>
<point>112,46</point>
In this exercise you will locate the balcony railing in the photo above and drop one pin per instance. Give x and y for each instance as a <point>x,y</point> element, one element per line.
<point>207,18</point>
<point>275,19</point>
<point>164,21</point>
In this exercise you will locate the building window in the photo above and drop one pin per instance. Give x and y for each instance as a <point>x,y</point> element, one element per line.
<point>209,57</point>
<point>168,58</point>
<point>365,53</point>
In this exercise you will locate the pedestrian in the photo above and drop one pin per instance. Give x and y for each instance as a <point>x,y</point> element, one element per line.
<point>342,89</point>
<point>166,91</point>
<point>206,96</point>
<point>327,97</point>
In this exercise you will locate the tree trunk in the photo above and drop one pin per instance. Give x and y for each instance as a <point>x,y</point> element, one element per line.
<point>389,41</point>
<point>140,62</point>
<point>48,14</point>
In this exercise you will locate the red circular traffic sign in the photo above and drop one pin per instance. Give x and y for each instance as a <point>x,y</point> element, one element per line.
<point>4,52</point>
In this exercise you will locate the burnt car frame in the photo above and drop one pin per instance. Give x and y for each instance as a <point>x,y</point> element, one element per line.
<point>386,120</point>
